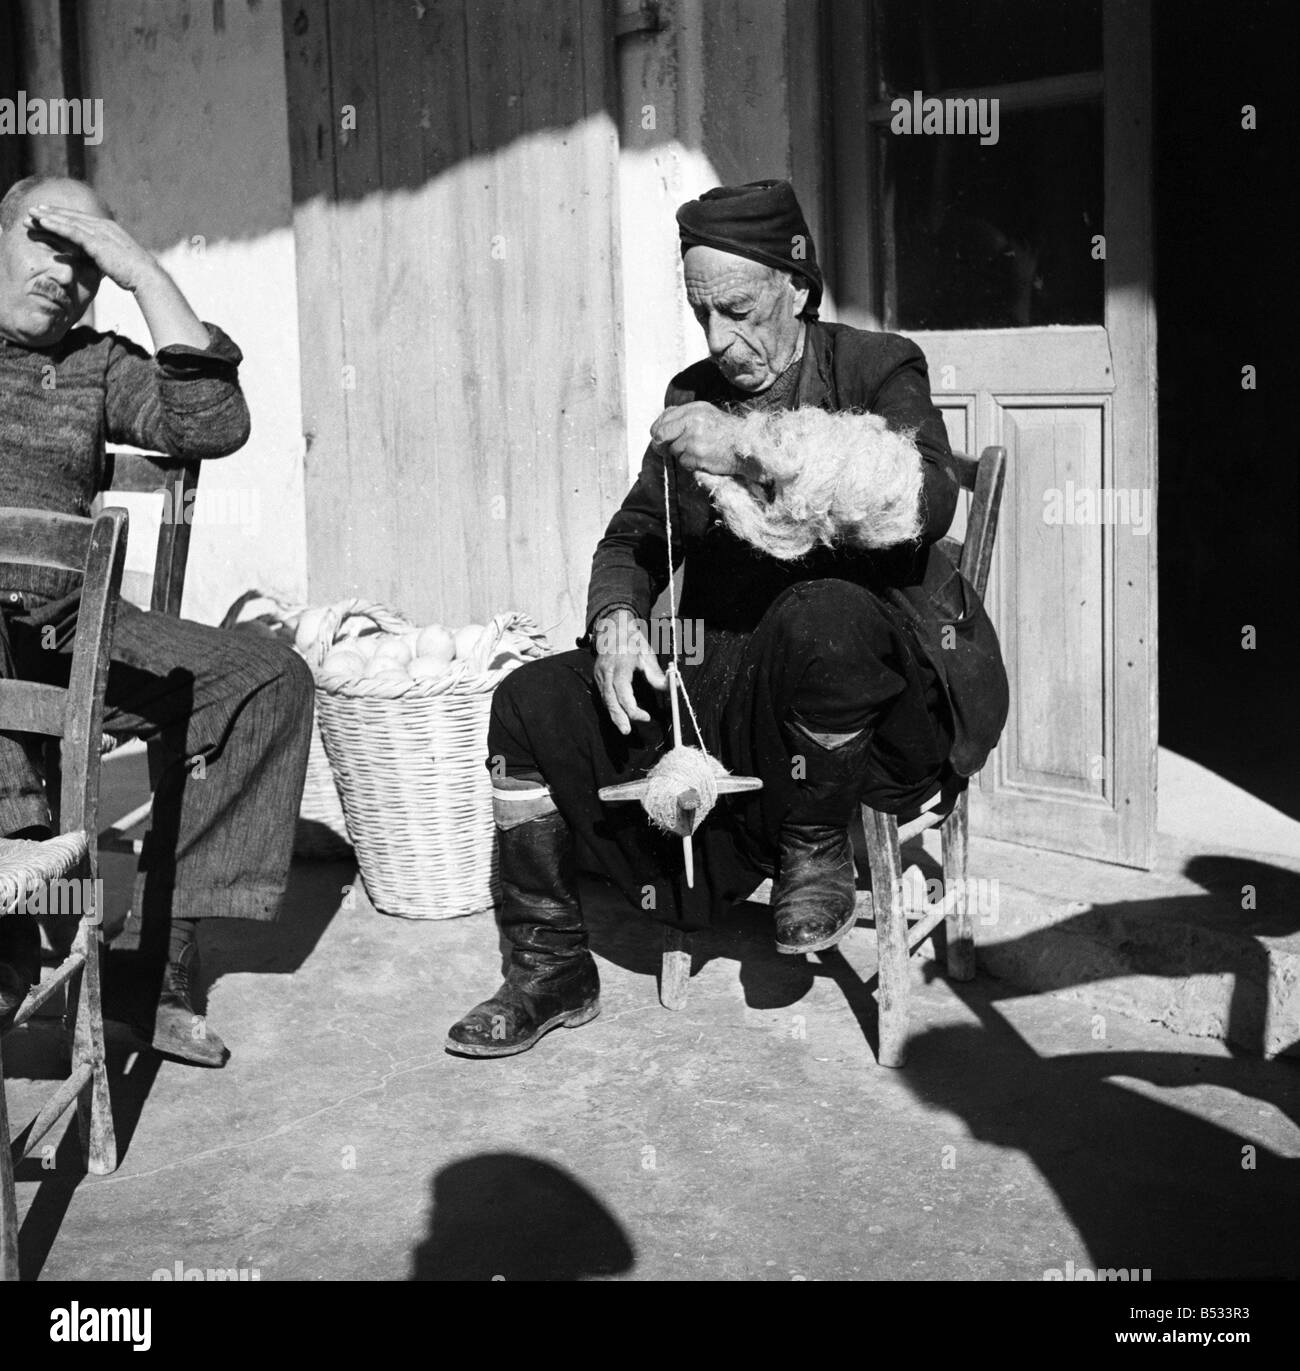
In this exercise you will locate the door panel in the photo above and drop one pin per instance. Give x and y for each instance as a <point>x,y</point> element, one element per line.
<point>1059,735</point>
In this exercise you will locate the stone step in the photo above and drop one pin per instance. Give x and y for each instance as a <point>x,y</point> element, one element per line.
<point>1207,945</point>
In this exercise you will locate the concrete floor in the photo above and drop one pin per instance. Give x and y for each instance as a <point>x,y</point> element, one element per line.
<point>749,1137</point>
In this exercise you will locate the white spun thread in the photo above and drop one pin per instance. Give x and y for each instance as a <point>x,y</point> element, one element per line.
<point>683,768</point>
<point>672,606</point>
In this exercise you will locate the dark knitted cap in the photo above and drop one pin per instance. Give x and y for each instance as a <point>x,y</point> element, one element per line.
<point>761,221</point>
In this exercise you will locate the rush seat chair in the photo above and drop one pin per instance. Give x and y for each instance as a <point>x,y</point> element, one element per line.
<point>33,873</point>
<point>896,939</point>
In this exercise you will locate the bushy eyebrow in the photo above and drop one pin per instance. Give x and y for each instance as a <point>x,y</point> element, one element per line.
<point>740,299</point>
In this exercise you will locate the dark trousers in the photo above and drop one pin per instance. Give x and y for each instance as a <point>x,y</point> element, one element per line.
<point>231,712</point>
<point>827,653</point>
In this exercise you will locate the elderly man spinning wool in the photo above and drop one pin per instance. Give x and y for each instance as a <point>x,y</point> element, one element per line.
<point>804,478</point>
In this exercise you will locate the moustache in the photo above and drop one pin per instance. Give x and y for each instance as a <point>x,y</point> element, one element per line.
<point>49,291</point>
<point>733,366</point>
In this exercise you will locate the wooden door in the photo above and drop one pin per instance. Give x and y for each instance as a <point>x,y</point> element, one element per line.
<point>12,150</point>
<point>1021,264</point>
<point>455,219</point>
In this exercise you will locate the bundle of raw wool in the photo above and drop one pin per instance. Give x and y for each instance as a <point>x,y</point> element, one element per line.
<point>815,477</point>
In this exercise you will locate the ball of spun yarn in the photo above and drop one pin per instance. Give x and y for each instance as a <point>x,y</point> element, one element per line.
<point>683,768</point>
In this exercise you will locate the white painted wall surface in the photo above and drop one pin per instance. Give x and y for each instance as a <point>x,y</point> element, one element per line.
<point>195,163</point>
<point>706,101</point>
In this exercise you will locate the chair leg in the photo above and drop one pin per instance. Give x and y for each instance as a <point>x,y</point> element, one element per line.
<point>960,929</point>
<point>94,1106</point>
<point>891,933</point>
<point>8,1200</point>
<point>675,972</point>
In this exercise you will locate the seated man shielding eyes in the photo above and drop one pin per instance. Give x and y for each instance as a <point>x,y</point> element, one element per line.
<point>231,711</point>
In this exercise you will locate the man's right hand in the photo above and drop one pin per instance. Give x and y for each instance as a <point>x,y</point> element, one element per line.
<point>621,651</point>
<point>118,256</point>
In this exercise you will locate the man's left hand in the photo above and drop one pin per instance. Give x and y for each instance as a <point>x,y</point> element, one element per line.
<point>700,436</point>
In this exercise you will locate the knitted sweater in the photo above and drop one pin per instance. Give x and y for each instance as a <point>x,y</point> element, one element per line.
<point>59,405</point>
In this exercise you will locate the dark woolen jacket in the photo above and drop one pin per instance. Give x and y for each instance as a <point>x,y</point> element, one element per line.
<point>59,405</point>
<point>728,584</point>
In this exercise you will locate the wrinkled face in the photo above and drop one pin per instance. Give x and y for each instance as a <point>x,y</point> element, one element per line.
<point>46,283</point>
<point>749,314</point>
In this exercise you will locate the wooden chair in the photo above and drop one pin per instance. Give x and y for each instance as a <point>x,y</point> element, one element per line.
<point>73,716</point>
<point>885,835</point>
<point>177,481</point>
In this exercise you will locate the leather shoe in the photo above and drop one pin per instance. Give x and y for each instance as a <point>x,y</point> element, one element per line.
<point>515,1018</point>
<point>815,897</point>
<point>179,1030</point>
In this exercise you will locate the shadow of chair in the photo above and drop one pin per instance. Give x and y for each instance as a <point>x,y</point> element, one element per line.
<point>42,877</point>
<point>1145,1180</point>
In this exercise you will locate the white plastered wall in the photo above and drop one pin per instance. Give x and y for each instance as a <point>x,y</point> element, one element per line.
<point>195,163</point>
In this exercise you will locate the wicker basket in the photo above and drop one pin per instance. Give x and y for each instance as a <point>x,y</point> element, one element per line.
<point>321,833</point>
<point>409,763</point>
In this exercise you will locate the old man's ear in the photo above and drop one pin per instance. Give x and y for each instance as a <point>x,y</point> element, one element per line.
<point>799,285</point>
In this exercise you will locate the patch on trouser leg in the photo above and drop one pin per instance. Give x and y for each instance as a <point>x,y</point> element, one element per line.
<point>830,741</point>
<point>514,806</point>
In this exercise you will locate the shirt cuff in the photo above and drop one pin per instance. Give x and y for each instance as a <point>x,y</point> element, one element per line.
<point>221,357</point>
<point>586,640</point>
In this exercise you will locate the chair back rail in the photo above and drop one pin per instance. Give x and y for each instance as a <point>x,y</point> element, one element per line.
<point>96,549</point>
<point>39,537</point>
<point>984,477</point>
<point>177,481</point>
<point>90,661</point>
<point>29,707</point>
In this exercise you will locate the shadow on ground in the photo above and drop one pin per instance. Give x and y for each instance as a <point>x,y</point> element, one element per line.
<point>1216,933</point>
<point>1146,1183</point>
<point>503,1216</point>
<point>1157,1156</point>
<point>40,1051</point>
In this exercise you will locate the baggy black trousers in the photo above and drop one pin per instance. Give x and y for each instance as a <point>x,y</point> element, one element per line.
<point>231,711</point>
<point>827,652</point>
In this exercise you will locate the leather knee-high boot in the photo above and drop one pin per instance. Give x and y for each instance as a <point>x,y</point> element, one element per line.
<point>814,897</point>
<point>551,978</point>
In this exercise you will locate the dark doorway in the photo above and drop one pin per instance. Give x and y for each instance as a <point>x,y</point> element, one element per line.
<point>13,160</point>
<point>1229,483</point>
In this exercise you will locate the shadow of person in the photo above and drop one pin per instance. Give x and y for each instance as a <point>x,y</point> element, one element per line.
<point>1145,1183</point>
<point>1242,901</point>
<point>504,1216</point>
